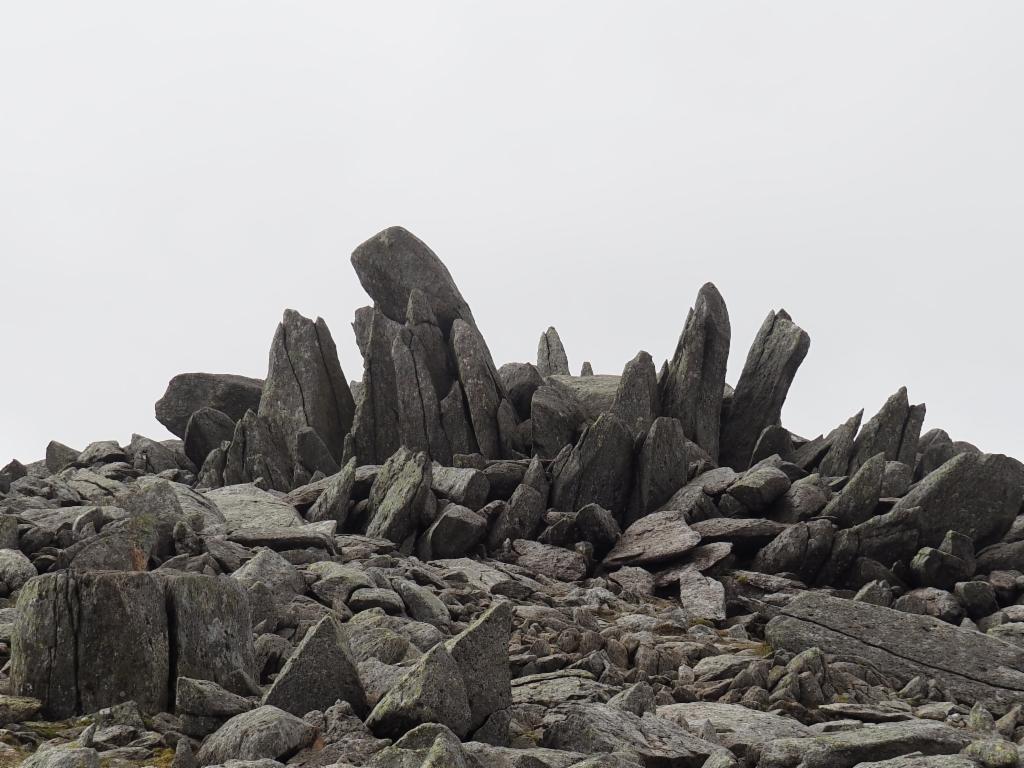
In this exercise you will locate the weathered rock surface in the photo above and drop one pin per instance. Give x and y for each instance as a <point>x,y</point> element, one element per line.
<point>189,392</point>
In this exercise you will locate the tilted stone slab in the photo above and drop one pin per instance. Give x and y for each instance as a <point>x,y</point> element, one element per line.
<point>973,666</point>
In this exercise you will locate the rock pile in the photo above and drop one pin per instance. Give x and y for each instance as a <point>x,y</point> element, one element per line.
<point>448,563</point>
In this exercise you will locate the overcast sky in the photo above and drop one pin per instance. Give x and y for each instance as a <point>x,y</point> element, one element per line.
<point>173,175</point>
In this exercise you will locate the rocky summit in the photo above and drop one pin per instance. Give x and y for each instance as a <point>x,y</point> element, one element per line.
<point>448,563</point>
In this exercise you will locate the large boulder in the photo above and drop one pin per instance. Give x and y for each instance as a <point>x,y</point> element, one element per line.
<point>266,732</point>
<point>972,666</point>
<point>975,494</point>
<point>394,262</point>
<point>599,469</point>
<point>189,392</point>
<point>481,655</point>
<point>69,646</point>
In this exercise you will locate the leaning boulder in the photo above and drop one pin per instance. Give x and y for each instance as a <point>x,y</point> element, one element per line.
<point>189,392</point>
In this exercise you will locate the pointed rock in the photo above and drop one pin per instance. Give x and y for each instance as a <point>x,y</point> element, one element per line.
<point>455,420</point>
<point>420,320</point>
<point>394,262</point>
<point>432,692</point>
<point>255,454</point>
<point>774,357</point>
<point>857,501</point>
<point>775,440</point>
<point>587,369</point>
<point>399,495</point>
<point>661,469</point>
<point>305,386</point>
<point>636,401</point>
<point>481,655</point>
<point>377,429</point>
<point>480,384</point>
<point>332,503</point>
<point>837,461</point>
<point>318,673</point>
<point>894,431</point>
<point>693,383</point>
<point>598,470</point>
<point>551,357</point>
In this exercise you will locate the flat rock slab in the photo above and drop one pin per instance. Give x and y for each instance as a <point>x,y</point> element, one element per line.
<point>246,506</point>
<point>873,742</point>
<point>657,538</point>
<point>736,727</point>
<point>973,666</point>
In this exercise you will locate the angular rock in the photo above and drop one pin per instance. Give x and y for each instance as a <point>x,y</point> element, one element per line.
<point>481,655</point>
<point>455,420</point>
<point>556,419</point>
<point>466,486</point>
<point>305,386</point>
<point>431,692</point>
<point>657,538</point>
<point>319,672</point>
<point>857,501</point>
<point>691,389</point>
<point>759,488</point>
<point>856,747</point>
<point>68,646</point>
<point>636,401</point>
<point>480,384</point>
<point>333,503</point>
<point>553,562</point>
<point>189,392</point>
<point>661,467</point>
<point>836,462</point>
<point>246,506</point>
<point>551,357</point>
<point>801,549</point>
<point>399,495</point>
<point>598,470</point>
<point>376,427</point>
<point>775,355</point>
<point>419,411</point>
<point>702,598</point>
<point>256,455</point>
<point>205,430</point>
<point>894,431</point>
<point>978,495</point>
<point>456,532</point>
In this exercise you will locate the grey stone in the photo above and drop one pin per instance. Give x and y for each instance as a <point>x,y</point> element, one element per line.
<point>702,598</point>
<point>519,519</point>
<point>978,495</point>
<point>657,538</point>
<point>256,455</point>
<point>481,655</point>
<point>275,572</point>
<point>836,462</point>
<point>759,488</point>
<point>893,431</point>
<point>691,389</point>
<point>207,699</point>
<point>481,386</point>
<point>399,495</point>
<point>466,486</point>
<point>15,569</point>
<point>661,467</point>
<point>801,549</point>
<point>736,727</point>
<point>431,692</point>
<point>846,749</point>
<point>553,562</point>
<point>972,666</point>
<point>60,456</point>
<point>189,392</point>
<point>596,525</point>
<point>68,646</point>
<point>64,756</point>
<point>456,532</point>
<point>556,419</point>
<point>598,470</point>
<point>551,357</point>
<point>857,501</point>
<point>394,262</point>
<point>430,340</point>
<point>205,430</point>
<point>312,453</point>
<point>265,732</point>
<point>455,420</point>
<point>636,401</point>
<point>246,506</point>
<point>775,355</point>
<point>376,428</point>
<point>333,503</point>
<point>319,672</point>
<point>775,440</point>
<point>520,381</point>
<point>305,386</point>
<point>419,410</point>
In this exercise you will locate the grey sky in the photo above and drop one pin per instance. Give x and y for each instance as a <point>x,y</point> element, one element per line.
<point>173,175</point>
